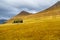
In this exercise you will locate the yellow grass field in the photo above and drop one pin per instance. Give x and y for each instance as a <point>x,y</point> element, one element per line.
<point>47,28</point>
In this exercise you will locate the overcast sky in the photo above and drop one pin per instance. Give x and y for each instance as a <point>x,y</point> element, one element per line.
<point>10,8</point>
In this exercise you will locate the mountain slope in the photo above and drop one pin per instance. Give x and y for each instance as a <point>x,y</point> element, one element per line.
<point>55,6</point>
<point>52,11</point>
<point>45,30</point>
<point>21,15</point>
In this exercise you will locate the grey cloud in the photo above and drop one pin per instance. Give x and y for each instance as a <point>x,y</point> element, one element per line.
<point>9,8</point>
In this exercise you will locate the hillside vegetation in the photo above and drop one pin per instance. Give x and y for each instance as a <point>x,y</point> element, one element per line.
<point>47,28</point>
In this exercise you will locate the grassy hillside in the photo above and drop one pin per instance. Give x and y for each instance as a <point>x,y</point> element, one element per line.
<point>47,28</point>
<point>56,6</point>
<point>52,11</point>
<point>19,16</point>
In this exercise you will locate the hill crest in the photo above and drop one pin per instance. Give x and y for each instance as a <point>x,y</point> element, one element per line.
<point>55,6</point>
<point>24,13</point>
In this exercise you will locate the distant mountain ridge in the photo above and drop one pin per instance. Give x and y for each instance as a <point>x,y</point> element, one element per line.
<point>24,13</point>
<point>2,21</point>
